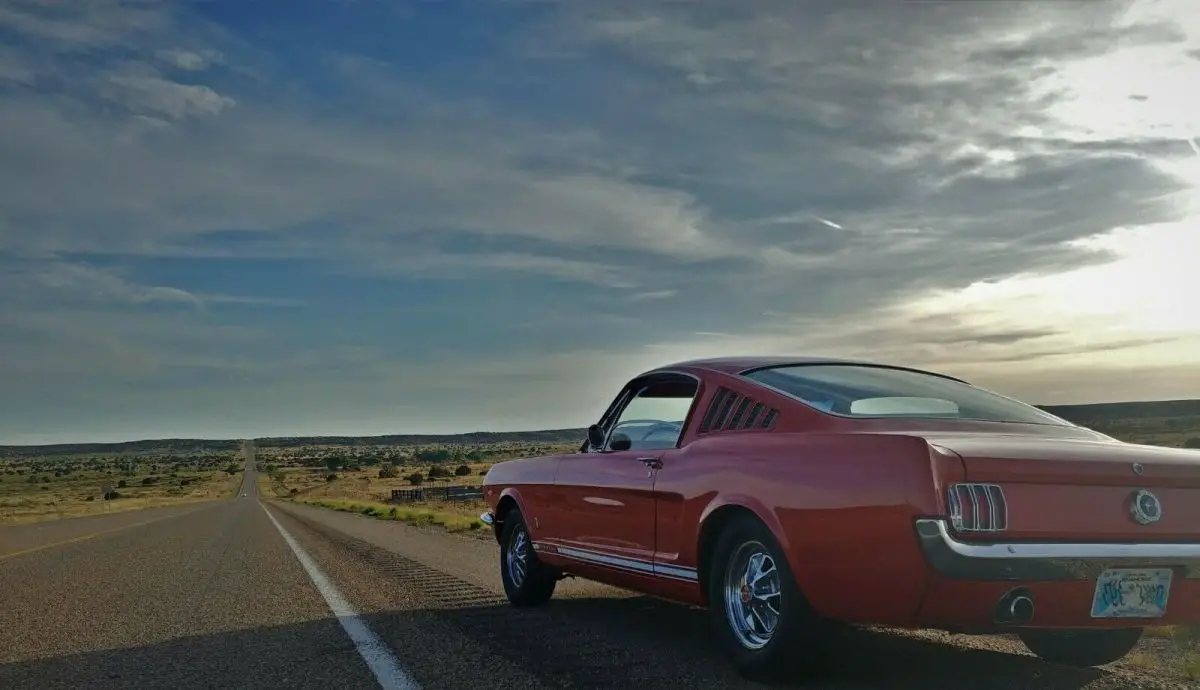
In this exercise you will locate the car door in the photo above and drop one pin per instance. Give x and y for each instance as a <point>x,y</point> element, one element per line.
<point>606,496</point>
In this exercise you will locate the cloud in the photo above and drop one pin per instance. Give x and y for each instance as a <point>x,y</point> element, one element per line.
<point>154,96</point>
<point>91,283</point>
<point>71,27</point>
<point>674,178</point>
<point>191,60</point>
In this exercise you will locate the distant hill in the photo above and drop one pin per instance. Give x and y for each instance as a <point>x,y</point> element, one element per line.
<point>1099,414</point>
<point>197,445</point>
<point>1126,411</point>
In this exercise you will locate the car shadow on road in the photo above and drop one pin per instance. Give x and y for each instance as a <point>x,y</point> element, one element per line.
<point>610,642</point>
<point>657,642</point>
<point>314,654</point>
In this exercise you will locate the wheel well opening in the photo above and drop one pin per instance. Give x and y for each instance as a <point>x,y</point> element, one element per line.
<point>506,504</point>
<point>713,525</point>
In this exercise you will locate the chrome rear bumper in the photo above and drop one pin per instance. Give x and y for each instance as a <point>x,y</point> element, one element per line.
<point>961,560</point>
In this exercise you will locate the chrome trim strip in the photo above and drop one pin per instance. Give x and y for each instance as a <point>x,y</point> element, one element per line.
<point>998,496</point>
<point>1045,560</point>
<point>954,506</point>
<point>997,514</point>
<point>637,566</point>
<point>976,522</point>
<point>682,573</point>
<point>604,559</point>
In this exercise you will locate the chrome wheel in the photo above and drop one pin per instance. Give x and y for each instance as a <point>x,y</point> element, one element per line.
<point>752,595</point>
<point>515,558</point>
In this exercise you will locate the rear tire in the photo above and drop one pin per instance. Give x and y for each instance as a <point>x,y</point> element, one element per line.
<point>527,581</point>
<point>758,649</point>
<point>1086,647</point>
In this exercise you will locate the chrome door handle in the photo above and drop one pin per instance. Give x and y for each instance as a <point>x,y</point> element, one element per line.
<point>652,462</point>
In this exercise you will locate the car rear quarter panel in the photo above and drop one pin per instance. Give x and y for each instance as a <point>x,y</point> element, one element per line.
<point>841,506</point>
<point>529,482</point>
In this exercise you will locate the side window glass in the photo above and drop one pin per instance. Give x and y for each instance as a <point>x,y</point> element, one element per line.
<point>652,420</point>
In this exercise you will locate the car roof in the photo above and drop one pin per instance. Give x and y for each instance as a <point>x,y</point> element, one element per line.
<point>736,365</point>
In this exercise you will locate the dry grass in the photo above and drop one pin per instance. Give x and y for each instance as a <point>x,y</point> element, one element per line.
<point>364,492</point>
<point>1173,632</point>
<point>1180,662</point>
<point>312,479</point>
<point>79,495</point>
<point>1172,650</point>
<point>365,486</point>
<point>413,515</point>
<point>1170,439</point>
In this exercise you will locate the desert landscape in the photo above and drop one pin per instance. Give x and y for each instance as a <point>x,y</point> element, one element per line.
<point>358,475</point>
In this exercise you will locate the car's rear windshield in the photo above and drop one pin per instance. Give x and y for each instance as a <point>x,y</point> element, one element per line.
<point>857,390</point>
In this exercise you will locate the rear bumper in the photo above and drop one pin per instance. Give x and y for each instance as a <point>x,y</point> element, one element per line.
<point>1045,561</point>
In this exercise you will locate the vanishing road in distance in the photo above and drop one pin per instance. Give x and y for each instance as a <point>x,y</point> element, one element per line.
<point>250,593</point>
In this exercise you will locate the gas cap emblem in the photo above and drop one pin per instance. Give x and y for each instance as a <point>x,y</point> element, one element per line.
<point>1138,469</point>
<point>1146,507</point>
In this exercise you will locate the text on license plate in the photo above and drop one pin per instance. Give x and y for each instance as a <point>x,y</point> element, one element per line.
<point>1132,593</point>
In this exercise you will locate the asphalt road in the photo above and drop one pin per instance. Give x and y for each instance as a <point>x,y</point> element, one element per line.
<point>216,596</point>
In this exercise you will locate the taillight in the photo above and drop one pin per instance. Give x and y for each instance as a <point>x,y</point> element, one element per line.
<point>977,508</point>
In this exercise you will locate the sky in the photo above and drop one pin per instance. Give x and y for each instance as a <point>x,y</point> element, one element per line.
<point>230,219</point>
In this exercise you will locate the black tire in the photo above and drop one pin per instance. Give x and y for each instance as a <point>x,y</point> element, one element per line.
<point>1094,647</point>
<point>800,637</point>
<point>536,585</point>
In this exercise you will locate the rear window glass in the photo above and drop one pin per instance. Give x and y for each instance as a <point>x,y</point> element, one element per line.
<point>869,391</point>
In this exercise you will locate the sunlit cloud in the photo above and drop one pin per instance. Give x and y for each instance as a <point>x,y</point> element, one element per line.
<point>212,227</point>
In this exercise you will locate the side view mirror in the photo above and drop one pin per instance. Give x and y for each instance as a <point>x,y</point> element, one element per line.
<point>620,441</point>
<point>596,436</point>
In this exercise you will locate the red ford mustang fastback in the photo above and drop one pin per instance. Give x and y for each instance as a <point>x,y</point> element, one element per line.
<point>783,494</point>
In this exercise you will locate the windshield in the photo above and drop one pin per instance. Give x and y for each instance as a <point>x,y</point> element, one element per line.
<point>871,391</point>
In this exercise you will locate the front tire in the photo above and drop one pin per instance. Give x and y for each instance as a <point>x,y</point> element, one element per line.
<point>763,622</point>
<point>527,581</point>
<point>1095,647</point>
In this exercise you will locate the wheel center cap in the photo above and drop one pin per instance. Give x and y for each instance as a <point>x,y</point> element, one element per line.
<point>745,594</point>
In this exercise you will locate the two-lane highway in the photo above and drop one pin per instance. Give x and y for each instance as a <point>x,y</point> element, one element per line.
<point>246,593</point>
<point>212,597</point>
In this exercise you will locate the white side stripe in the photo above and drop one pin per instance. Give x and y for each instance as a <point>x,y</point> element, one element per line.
<point>675,572</point>
<point>385,667</point>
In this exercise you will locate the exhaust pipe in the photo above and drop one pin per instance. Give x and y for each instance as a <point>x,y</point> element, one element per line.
<point>1014,608</point>
<point>1020,609</point>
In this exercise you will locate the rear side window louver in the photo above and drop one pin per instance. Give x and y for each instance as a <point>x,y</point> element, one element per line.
<point>730,411</point>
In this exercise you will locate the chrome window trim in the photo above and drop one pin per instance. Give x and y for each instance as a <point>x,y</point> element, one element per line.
<point>613,416</point>
<point>808,404</point>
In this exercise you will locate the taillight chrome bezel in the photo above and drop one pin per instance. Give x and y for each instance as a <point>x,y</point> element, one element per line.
<point>972,495</point>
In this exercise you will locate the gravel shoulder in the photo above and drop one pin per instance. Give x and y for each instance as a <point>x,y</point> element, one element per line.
<point>596,636</point>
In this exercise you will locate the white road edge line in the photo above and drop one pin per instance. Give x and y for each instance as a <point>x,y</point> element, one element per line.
<point>387,669</point>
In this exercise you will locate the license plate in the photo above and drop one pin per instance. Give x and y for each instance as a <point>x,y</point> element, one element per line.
<point>1132,593</point>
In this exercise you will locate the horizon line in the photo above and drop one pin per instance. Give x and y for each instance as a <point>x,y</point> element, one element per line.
<point>166,439</point>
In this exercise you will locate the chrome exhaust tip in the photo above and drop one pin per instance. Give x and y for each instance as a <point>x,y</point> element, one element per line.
<point>1016,607</point>
<point>1021,609</point>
